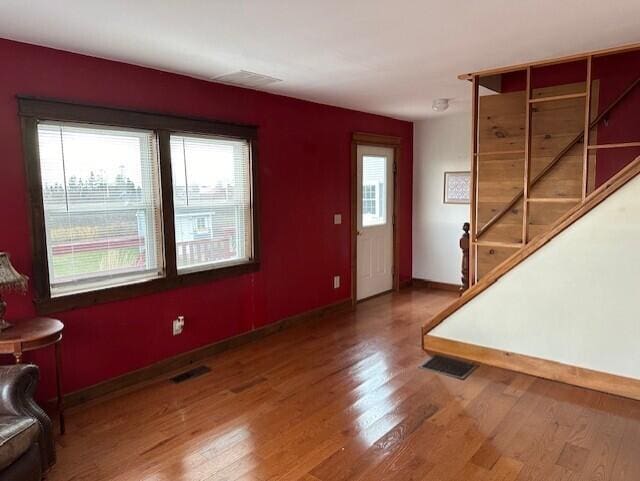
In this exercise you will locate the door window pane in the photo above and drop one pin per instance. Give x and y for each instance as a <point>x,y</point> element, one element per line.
<point>212,201</point>
<point>374,190</point>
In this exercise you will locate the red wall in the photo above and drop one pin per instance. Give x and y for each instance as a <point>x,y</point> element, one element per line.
<point>622,124</point>
<point>615,73</point>
<point>304,178</point>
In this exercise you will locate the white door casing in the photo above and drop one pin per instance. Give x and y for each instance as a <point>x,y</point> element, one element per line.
<point>374,243</point>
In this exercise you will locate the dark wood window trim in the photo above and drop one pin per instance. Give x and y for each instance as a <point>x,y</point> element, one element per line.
<point>32,110</point>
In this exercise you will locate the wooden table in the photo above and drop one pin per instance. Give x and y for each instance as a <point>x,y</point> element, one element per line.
<point>35,334</point>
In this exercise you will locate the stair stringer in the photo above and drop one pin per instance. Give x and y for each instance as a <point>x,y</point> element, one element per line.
<point>566,310</point>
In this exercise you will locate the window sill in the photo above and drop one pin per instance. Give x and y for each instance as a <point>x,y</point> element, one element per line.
<point>46,306</point>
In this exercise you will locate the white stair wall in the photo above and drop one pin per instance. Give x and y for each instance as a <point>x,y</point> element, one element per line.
<point>575,301</point>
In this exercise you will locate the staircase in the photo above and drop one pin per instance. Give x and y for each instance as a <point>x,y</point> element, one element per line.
<point>556,153</point>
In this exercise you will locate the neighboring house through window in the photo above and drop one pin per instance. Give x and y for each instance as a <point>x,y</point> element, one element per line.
<point>374,178</point>
<point>200,226</point>
<point>369,200</point>
<point>130,198</point>
<point>211,176</point>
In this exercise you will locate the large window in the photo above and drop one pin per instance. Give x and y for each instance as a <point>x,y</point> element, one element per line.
<point>211,189</point>
<point>101,200</point>
<point>129,202</point>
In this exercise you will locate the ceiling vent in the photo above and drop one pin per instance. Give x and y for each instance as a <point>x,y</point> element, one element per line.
<point>244,78</point>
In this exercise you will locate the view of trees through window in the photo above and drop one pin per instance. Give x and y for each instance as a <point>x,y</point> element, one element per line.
<point>135,198</point>
<point>101,199</point>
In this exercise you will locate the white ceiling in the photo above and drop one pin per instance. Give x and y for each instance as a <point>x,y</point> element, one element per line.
<point>391,57</point>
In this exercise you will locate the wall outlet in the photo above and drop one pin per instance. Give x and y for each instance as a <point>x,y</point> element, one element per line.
<point>337,219</point>
<point>336,282</point>
<point>178,325</point>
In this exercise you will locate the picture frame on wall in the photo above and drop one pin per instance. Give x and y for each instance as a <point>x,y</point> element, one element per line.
<point>457,187</point>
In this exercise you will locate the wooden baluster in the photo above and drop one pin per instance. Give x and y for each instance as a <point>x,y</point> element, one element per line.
<point>464,245</point>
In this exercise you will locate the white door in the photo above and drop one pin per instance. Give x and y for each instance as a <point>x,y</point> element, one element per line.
<point>375,221</point>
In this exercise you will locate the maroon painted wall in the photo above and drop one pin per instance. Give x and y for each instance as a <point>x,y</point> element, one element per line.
<point>615,72</point>
<point>622,124</point>
<point>304,178</point>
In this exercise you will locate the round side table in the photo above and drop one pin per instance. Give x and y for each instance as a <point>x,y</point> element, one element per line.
<point>35,334</point>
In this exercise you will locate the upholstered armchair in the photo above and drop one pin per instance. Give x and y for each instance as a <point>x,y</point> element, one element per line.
<point>27,449</point>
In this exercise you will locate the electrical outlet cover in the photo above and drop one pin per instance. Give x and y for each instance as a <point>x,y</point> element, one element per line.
<point>177,327</point>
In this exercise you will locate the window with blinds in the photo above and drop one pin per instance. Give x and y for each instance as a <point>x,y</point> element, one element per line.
<point>135,202</point>
<point>211,201</point>
<point>102,209</point>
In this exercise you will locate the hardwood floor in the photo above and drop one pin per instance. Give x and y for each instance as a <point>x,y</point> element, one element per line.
<point>342,398</point>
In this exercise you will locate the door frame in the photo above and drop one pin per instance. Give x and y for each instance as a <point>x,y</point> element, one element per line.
<point>376,140</point>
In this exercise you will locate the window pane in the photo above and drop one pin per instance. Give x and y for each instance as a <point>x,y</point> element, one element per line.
<point>212,201</point>
<point>374,190</point>
<point>102,209</point>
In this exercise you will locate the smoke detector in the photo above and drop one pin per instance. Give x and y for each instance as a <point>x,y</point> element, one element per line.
<point>440,105</point>
<point>244,78</point>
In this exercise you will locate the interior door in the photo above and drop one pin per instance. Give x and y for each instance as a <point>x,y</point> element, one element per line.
<point>374,220</point>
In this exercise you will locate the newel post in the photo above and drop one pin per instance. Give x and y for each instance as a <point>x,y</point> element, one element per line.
<point>464,245</point>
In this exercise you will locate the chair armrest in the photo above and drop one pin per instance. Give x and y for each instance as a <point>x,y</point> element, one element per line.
<point>18,384</point>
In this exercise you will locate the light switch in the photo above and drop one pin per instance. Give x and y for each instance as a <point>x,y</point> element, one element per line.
<point>337,219</point>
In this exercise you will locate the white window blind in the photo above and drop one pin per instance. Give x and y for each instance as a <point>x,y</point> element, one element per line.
<point>212,201</point>
<point>101,196</point>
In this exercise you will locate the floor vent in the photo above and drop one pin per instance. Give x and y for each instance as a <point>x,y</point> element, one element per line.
<point>450,367</point>
<point>190,374</point>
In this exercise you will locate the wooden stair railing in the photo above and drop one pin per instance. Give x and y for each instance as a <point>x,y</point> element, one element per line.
<point>464,246</point>
<point>557,158</point>
<point>571,216</point>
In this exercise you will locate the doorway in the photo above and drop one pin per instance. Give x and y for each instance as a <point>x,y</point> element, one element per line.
<point>374,186</point>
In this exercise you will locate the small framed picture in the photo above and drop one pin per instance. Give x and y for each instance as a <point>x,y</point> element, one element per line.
<point>457,187</point>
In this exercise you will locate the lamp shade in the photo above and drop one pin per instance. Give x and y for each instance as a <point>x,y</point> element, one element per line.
<point>10,279</point>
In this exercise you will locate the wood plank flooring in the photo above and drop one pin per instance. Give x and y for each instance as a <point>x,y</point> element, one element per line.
<point>342,398</point>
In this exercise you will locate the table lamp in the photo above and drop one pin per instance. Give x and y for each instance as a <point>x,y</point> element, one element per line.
<point>10,280</point>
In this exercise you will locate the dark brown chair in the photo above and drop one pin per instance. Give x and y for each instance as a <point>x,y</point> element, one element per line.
<point>27,449</point>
